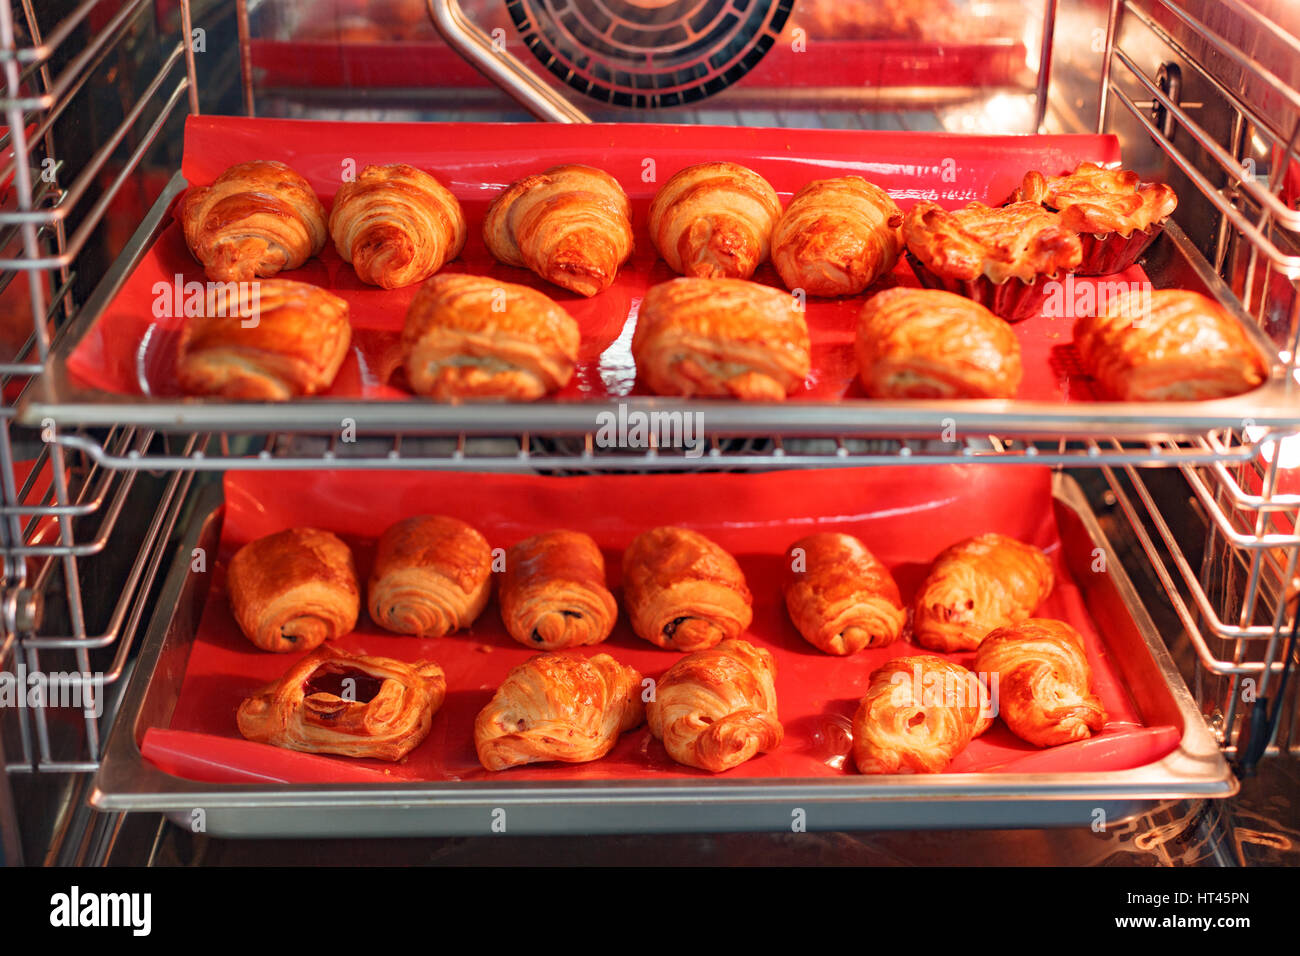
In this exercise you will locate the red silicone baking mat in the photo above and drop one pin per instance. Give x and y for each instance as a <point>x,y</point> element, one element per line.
<point>905,515</point>
<point>131,348</point>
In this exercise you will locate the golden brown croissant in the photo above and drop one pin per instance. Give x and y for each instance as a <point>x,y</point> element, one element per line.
<point>716,708</point>
<point>291,590</point>
<point>397,225</point>
<point>683,592</point>
<point>714,220</point>
<point>1043,681</point>
<point>558,707</point>
<point>840,597</point>
<point>331,702</point>
<point>553,592</point>
<point>571,225</point>
<point>432,575</point>
<point>256,219</point>
<point>977,585</point>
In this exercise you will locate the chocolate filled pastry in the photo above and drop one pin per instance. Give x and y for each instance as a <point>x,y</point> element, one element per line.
<point>553,592</point>
<point>558,707</point>
<point>256,219</point>
<point>291,590</point>
<point>682,592</point>
<point>840,597</point>
<point>716,708</point>
<point>432,575</point>
<point>331,702</point>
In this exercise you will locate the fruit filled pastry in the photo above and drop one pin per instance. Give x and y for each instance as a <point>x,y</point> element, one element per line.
<point>714,221</point>
<point>270,340</point>
<point>840,597</point>
<point>837,237</point>
<point>331,702</point>
<point>472,337</point>
<point>977,585</point>
<point>553,592</point>
<point>716,708</point>
<point>918,713</point>
<point>721,337</point>
<point>1044,683</point>
<point>926,343</point>
<point>397,225</point>
<point>294,589</point>
<point>558,707</point>
<point>571,225</point>
<point>255,220</point>
<point>682,592</point>
<point>432,575</point>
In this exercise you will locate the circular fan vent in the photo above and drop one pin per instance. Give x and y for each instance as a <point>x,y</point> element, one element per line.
<point>649,53</point>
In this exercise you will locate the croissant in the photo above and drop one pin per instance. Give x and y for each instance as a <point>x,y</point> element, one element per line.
<point>714,220</point>
<point>1043,681</point>
<point>256,219</point>
<point>683,592</point>
<point>291,590</point>
<point>558,707</point>
<point>432,575</point>
<point>331,702</point>
<point>397,225</point>
<point>571,225</point>
<point>553,592</point>
<point>716,708</point>
<point>840,597</point>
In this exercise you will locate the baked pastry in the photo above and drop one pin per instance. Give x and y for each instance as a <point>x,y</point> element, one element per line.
<point>840,597</point>
<point>977,585</point>
<point>256,219</point>
<point>721,337</point>
<point>291,590</point>
<point>397,225</point>
<point>682,592</point>
<point>918,713</point>
<point>571,225</point>
<point>473,337</point>
<point>1044,683</point>
<point>837,237</point>
<point>1167,345</point>
<point>332,702</point>
<point>716,708</point>
<point>432,575</point>
<point>553,592</point>
<point>558,707</point>
<point>714,220</point>
<point>927,343</point>
<point>270,340</point>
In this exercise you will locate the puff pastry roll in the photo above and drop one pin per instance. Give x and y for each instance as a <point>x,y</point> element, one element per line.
<point>256,219</point>
<point>397,225</point>
<point>837,237</point>
<point>432,575</point>
<point>291,590</point>
<point>558,707</point>
<point>553,592</point>
<point>714,221</point>
<point>271,340</point>
<point>1044,681</point>
<point>840,597</point>
<point>721,337</point>
<point>473,337</point>
<point>977,585</point>
<point>682,592</point>
<point>331,702</point>
<point>571,225</point>
<point>918,713</point>
<point>716,708</point>
<point>1167,345</point>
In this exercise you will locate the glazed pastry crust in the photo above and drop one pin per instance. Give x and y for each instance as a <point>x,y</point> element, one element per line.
<point>844,598</point>
<point>1100,201</point>
<point>1021,241</point>
<point>553,592</point>
<point>432,575</point>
